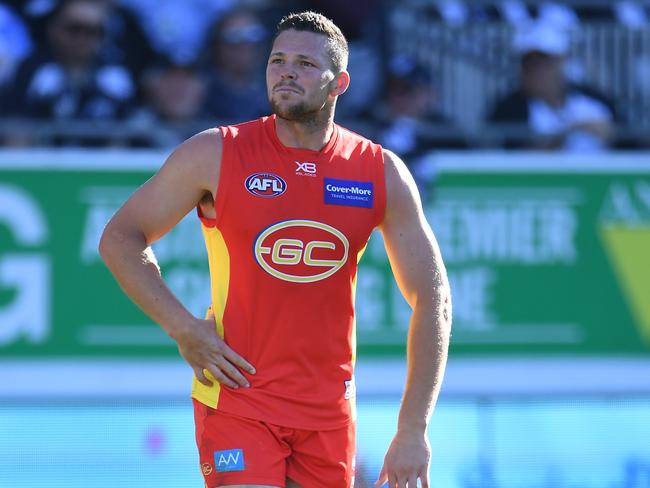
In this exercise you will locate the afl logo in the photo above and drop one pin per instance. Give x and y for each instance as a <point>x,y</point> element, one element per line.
<point>265,185</point>
<point>301,251</point>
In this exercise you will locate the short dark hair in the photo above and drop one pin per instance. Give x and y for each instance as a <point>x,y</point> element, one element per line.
<point>319,24</point>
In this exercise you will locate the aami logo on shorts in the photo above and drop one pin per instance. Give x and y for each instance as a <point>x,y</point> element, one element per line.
<point>229,460</point>
<point>265,185</point>
<point>301,251</point>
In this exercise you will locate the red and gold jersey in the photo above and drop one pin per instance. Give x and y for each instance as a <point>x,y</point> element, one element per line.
<point>283,250</point>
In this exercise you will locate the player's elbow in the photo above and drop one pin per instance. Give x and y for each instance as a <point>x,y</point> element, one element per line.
<point>107,242</point>
<point>113,240</point>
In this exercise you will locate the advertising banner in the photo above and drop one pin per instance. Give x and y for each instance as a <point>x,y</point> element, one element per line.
<point>546,254</point>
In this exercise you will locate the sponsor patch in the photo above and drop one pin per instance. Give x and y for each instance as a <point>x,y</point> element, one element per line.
<point>305,169</point>
<point>348,192</point>
<point>301,251</point>
<point>265,185</point>
<point>229,460</point>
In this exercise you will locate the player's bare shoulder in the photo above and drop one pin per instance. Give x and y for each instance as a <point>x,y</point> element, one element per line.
<point>402,196</point>
<point>199,158</point>
<point>398,177</point>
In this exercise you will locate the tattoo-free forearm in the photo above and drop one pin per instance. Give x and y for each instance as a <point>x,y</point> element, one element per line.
<point>135,268</point>
<point>428,341</point>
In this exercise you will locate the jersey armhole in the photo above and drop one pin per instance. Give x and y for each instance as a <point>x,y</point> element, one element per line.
<point>222,186</point>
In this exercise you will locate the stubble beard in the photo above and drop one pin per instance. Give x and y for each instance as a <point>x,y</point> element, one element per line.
<point>300,112</point>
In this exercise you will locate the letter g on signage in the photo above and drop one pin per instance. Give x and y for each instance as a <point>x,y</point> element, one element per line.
<point>301,251</point>
<point>28,273</point>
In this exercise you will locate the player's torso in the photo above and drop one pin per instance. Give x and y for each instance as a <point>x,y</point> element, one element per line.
<point>293,224</point>
<point>301,218</point>
<point>297,219</point>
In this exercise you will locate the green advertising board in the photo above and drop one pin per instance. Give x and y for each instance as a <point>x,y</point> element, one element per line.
<point>546,255</point>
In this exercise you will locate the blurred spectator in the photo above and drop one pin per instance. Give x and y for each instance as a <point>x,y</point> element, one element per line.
<point>15,42</point>
<point>177,28</point>
<point>175,92</point>
<point>557,113</point>
<point>66,79</point>
<point>408,121</point>
<point>236,63</point>
<point>123,43</point>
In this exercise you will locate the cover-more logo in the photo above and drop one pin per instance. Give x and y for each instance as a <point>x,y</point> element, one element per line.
<point>301,251</point>
<point>265,185</point>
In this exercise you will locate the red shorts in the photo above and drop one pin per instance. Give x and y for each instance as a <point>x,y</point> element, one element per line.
<point>236,450</point>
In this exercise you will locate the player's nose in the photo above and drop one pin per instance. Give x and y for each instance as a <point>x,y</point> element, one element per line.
<point>289,75</point>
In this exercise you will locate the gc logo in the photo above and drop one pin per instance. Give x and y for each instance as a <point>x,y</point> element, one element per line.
<point>301,251</point>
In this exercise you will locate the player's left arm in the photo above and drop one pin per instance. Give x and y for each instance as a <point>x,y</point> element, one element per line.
<point>420,274</point>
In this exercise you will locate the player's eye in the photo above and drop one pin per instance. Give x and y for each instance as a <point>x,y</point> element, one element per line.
<point>275,61</point>
<point>306,63</point>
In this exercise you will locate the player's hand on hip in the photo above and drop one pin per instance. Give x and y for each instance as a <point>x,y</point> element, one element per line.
<point>210,357</point>
<point>406,461</point>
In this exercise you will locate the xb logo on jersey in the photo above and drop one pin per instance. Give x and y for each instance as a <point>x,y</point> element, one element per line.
<point>265,185</point>
<point>301,251</point>
<point>305,169</point>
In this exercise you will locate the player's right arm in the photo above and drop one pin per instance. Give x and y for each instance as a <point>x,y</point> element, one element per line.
<point>189,175</point>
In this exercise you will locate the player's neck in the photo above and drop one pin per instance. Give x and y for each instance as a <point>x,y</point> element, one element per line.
<point>313,134</point>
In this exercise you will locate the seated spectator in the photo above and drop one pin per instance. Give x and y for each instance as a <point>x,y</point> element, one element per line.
<point>554,113</point>
<point>407,119</point>
<point>175,92</point>
<point>236,62</point>
<point>66,80</point>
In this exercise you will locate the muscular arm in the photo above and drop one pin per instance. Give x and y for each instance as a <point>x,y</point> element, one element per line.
<point>420,273</point>
<point>148,214</point>
<point>189,174</point>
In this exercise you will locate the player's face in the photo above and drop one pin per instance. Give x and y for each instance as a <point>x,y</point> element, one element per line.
<point>299,75</point>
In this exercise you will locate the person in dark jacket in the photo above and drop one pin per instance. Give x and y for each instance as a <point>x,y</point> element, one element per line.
<point>66,79</point>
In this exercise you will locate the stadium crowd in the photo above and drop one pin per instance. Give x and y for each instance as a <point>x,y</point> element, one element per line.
<point>143,73</point>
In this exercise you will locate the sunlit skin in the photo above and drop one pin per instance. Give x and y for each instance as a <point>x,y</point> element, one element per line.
<point>302,87</point>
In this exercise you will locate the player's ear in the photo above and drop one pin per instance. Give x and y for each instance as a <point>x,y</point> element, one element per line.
<point>341,83</point>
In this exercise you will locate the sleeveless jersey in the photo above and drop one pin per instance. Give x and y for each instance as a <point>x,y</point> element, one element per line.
<point>290,227</point>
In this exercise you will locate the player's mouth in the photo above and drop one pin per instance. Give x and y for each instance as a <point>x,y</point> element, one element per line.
<point>287,89</point>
